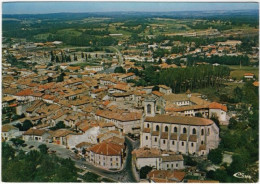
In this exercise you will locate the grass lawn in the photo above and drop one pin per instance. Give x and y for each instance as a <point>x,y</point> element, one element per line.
<point>238,73</point>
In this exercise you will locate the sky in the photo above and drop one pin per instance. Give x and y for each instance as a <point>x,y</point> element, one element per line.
<point>57,7</point>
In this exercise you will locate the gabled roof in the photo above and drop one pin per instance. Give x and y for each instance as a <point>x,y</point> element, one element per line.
<point>157,93</point>
<point>107,148</point>
<point>171,158</point>
<point>7,128</point>
<point>146,153</point>
<point>37,132</point>
<point>180,120</point>
<point>215,105</point>
<point>249,74</point>
<point>166,176</point>
<point>25,92</point>
<point>61,133</point>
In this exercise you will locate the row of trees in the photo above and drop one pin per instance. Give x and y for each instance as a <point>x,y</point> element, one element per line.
<point>181,79</point>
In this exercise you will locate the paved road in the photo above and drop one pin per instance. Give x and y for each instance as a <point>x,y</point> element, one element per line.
<point>125,175</point>
<point>120,57</point>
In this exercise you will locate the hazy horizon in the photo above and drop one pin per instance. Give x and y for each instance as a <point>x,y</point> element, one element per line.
<point>102,7</point>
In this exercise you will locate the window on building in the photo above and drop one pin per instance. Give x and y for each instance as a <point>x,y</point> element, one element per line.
<point>192,144</point>
<point>202,131</point>
<point>148,125</point>
<point>116,164</point>
<point>202,142</point>
<point>155,139</point>
<point>149,107</point>
<point>175,129</point>
<point>172,165</point>
<point>172,142</point>
<point>184,130</point>
<point>182,143</point>
<point>146,137</point>
<point>157,128</point>
<point>177,165</point>
<point>116,159</point>
<point>163,141</point>
<point>208,131</point>
<point>111,164</point>
<point>166,129</point>
<point>111,159</point>
<point>193,131</point>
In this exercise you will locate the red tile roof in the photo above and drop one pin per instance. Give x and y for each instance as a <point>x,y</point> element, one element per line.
<point>107,148</point>
<point>215,105</point>
<point>167,176</point>
<point>249,74</point>
<point>256,83</point>
<point>157,93</point>
<point>25,92</point>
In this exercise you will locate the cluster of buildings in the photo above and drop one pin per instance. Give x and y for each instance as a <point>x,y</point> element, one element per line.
<point>98,110</point>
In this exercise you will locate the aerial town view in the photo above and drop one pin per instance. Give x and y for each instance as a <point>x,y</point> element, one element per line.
<point>129,92</point>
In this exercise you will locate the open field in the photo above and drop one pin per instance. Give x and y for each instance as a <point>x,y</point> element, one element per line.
<point>238,72</point>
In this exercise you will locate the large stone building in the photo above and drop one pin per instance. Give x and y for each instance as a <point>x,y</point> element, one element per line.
<point>157,159</point>
<point>186,135</point>
<point>107,155</point>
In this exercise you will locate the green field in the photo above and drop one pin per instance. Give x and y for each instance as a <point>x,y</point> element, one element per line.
<point>238,73</point>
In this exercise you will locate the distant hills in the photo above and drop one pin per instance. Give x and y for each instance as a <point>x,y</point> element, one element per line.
<point>174,14</point>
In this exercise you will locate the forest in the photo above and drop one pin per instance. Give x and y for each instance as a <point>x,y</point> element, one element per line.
<point>182,79</point>
<point>36,166</point>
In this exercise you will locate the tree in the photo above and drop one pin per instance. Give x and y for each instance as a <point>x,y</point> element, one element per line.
<point>232,123</point>
<point>59,125</point>
<point>215,156</point>
<point>238,93</point>
<point>160,61</point>
<point>17,142</point>
<point>52,57</point>
<point>61,77</point>
<point>144,171</point>
<point>189,161</point>
<point>35,167</point>
<point>75,57</point>
<point>119,69</point>
<point>43,148</point>
<point>155,88</point>
<point>27,124</point>
<point>239,164</point>
<point>57,59</point>
<point>90,177</point>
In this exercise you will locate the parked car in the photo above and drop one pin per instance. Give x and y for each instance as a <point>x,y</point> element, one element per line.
<point>31,146</point>
<point>24,145</point>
